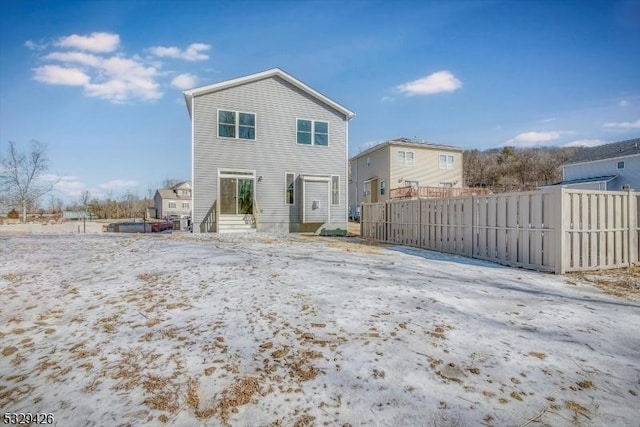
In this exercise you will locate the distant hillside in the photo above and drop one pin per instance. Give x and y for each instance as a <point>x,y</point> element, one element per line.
<point>515,169</point>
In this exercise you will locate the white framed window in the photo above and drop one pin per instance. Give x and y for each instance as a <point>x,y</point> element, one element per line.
<point>335,190</point>
<point>172,205</point>
<point>405,158</point>
<point>446,184</point>
<point>289,189</point>
<point>445,161</point>
<point>185,205</point>
<point>383,187</point>
<point>414,184</point>
<point>368,161</point>
<point>312,132</point>
<point>184,192</point>
<point>236,124</point>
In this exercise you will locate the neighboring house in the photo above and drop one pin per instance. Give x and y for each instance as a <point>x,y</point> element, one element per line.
<point>174,201</point>
<point>402,162</point>
<point>613,166</point>
<point>268,153</point>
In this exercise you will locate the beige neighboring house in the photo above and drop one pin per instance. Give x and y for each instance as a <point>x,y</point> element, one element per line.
<point>173,201</point>
<point>402,162</point>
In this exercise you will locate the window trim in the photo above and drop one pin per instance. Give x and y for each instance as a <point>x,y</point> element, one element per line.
<point>338,189</point>
<point>313,132</point>
<point>286,189</point>
<point>237,125</point>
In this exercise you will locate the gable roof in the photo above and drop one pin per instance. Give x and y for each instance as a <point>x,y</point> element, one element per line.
<point>606,151</point>
<point>171,193</point>
<point>407,142</point>
<point>274,72</point>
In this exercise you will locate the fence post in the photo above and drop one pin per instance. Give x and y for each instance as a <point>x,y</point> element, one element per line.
<point>559,213</point>
<point>631,227</point>
<point>469,206</point>
<point>361,219</point>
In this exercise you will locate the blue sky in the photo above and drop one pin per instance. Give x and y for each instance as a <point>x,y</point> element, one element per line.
<point>100,81</point>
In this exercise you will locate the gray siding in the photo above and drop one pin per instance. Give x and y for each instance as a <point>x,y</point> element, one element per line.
<point>277,105</point>
<point>629,175</point>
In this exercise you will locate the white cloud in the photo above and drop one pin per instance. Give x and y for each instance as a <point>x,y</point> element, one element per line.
<point>56,75</point>
<point>530,139</point>
<point>31,45</point>
<point>75,57</point>
<point>94,42</point>
<point>68,185</point>
<point>442,81</point>
<point>585,143</point>
<point>124,79</point>
<point>624,125</point>
<point>115,184</point>
<point>116,78</point>
<point>184,81</point>
<point>192,53</point>
<point>387,99</point>
<point>94,62</point>
<point>624,103</point>
<point>549,120</point>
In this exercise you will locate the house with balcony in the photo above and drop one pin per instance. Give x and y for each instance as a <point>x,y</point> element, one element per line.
<point>402,163</point>
<point>269,153</point>
<point>174,201</point>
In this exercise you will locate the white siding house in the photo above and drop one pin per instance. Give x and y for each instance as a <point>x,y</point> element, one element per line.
<point>268,153</point>
<point>175,200</point>
<point>614,166</point>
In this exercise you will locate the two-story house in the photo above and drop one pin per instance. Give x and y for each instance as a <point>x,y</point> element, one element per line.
<point>614,166</point>
<point>173,201</point>
<point>402,162</point>
<point>268,153</point>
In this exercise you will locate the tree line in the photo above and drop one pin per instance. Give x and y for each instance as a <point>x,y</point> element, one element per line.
<point>515,169</point>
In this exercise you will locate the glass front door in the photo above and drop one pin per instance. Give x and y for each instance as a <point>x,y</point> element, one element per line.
<point>236,196</point>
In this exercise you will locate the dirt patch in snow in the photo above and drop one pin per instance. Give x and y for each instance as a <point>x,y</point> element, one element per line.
<point>621,282</point>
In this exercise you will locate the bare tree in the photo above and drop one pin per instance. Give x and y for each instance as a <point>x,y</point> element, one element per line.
<point>20,173</point>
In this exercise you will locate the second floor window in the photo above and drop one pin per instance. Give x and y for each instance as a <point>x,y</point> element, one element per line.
<point>185,205</point>
<point>405,158</point>
<point>172,205</point>
<point>236,124</point>
<point>445,161</point>
<point>312,132</point>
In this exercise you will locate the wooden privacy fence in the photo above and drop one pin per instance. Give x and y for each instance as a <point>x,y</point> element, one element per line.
<point>556,229</point>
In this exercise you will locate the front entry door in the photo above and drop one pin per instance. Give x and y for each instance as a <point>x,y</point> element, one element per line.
<point>236,196</point>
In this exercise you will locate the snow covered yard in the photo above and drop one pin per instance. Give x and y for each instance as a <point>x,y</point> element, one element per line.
<point>117,330</point>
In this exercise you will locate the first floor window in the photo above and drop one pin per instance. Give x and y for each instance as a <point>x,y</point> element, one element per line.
<point>445,161</point>
<point>312,132</point>
<point>172,205</point>
<point>236,124</point>
<point>620,165</point>
<point>335,190</point>
<point>446,184</point>
<point>289,189</point>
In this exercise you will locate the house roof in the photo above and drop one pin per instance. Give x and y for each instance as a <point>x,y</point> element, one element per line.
<point>274,72</point>
<point>605,178</point>
<point>606,151</point>
<point>170,193</point>
<point>407,142</point>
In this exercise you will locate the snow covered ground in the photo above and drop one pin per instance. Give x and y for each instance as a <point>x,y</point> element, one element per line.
<point>189,330</point>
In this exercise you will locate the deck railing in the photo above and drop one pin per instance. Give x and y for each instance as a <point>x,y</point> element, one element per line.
<point>425,192</point>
